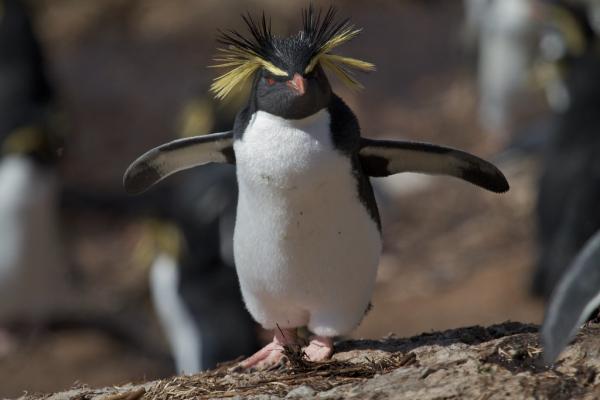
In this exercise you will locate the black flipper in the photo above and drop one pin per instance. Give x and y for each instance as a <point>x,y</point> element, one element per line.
<point>387,157</point>
<point>576,296</point>
<point>178,155</point>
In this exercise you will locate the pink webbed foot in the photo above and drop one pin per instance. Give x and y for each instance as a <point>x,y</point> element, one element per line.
<point>272,354</point>
<point>320,348</point>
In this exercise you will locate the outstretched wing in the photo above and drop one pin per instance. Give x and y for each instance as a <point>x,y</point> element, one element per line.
<point>178,155</point>
<point>388,157</point>
<point>576,296</point>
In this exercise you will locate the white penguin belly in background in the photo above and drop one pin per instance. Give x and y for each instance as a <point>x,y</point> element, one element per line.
<point>176,320</point>
<point>31,275</point>
<point>305,254</point>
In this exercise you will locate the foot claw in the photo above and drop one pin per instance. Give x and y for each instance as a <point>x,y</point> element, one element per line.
<point>319,349</point>
<point>271,356</point>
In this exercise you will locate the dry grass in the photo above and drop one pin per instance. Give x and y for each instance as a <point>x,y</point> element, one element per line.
<point>223,382</point>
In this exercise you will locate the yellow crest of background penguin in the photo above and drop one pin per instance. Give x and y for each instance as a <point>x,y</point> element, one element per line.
<point>308,234</point>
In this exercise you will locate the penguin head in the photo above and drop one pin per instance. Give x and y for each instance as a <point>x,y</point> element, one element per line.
<point>298,94</point>
<point>288,73</point>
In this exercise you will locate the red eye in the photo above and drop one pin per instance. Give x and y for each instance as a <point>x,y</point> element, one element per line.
<point>270,81</point>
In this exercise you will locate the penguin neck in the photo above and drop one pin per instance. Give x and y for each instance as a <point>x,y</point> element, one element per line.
<point>303,123</point>
<point>315,125</point>
<point>249,114</point>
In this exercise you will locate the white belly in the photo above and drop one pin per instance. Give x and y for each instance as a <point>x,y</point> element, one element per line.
<point>31,275</point>
<point>305,247</point>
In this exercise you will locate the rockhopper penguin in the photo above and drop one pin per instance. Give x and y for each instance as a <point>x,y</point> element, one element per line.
<point>307,236</point>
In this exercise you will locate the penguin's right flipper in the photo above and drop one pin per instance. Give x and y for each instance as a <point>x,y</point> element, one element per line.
<point>576,296</point>
<point>164,160</point>
<point>387,157</point>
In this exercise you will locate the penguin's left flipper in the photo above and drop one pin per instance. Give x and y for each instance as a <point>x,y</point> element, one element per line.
<point>164,160</point>
<point>387,157</point>
<point>576,296</point>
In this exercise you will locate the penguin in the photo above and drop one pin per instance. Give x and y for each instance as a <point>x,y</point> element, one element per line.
<point>574,300</point>
<point>31,259</point>
<point>569,184</point>
<point>307,236</point>
<point>567,273</point>
<point>194,288</point>
<point>503,35</point>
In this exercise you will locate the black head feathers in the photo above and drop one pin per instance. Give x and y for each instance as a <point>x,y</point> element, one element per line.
<point>284,56</point>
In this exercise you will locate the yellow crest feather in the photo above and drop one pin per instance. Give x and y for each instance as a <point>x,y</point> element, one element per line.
<point>224,84</point>
<point>335,41</point>
<point>339,65</point>
<point>245,64</point>
<point>347,34</point>
<point>342,74</point>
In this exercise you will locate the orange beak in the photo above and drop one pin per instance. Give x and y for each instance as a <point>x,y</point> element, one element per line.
<point>297,83</point>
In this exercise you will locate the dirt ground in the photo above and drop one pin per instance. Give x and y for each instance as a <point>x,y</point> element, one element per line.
<point>454,255</point>
<point>498,362</point>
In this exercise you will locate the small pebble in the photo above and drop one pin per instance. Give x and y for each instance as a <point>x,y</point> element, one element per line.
<point>301,392</point>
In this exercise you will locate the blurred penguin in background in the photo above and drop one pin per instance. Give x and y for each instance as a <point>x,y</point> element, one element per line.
<point>553,43</point>
<point>501,31</point>
<point>31,263</point>
<point>569,191</point>
<point>193,282</point>
<point>190,225</point>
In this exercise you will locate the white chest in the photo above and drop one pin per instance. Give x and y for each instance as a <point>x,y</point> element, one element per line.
<point>300,221</point>
<point>285,155</point>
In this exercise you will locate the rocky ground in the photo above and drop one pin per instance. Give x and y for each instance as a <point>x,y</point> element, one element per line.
<point>497,362</point>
